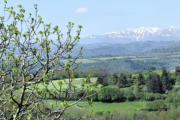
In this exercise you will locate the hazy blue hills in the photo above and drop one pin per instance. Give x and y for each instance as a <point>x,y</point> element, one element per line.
<point>130,41</point>
<point>132,49</point>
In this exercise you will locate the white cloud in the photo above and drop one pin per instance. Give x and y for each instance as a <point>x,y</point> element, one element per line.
<point>81,10</point>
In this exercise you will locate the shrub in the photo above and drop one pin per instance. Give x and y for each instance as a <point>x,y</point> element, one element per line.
<point>149,97</point>
<point>156,105</point>
<point>139,95</point>
<point>110,94</point>
<point>154,96</point>
<point>129,95</point>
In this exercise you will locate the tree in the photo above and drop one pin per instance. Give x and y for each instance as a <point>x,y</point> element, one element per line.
<point>154,83</point>
<point>177,72</point>
<point>30,52</point>
<point>102,80</point>
<point>114,78</point>
<point>122,82</point>
<point>166,80</point>
<point>151,68</point>
<point>102,77</point>
<point>141,80</point>
<point>111,93</point>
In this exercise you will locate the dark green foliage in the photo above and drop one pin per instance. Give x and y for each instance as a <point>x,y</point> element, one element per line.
<point>114,78</point>
<point>102,80</point>
<point>129,95</point>
<point>130,79</point>
<point>177,72</point>
<point>122,81</point>
<point>154,96</point>
<point>139,96</point>
<point>141,79</point>
<point>102,77</point>
<point>110,94</point>
<point>154,83</point>
<point>125,65</point>
<point>157,105</point>
<point>167,82</point>
<point>149,97</point>
<point>151,68</point>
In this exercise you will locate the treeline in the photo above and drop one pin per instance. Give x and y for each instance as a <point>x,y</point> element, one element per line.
<point>151,80</point>
<point>128,64</point>
<point>147,85</point>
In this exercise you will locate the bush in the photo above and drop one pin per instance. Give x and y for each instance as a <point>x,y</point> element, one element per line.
<point>129,95</point>
<point>139,95</point>
<point>110,94</point>
<point>154,96</point>
<point>156,105</point>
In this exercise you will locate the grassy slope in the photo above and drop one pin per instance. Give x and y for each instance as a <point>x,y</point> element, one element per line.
<point>77,82</point>
<point>99,107</point>
<point>96,107</point>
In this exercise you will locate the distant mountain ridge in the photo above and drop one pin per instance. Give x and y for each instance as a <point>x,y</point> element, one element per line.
<point>133,48</point>
<point>134,35</point>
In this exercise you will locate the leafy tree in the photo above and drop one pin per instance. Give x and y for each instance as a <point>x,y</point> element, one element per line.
<point>102,77</point>
<point>110,93</point>
<point>122,82</point>
<point>177,72</point>
<point>154,83</point>
<point>102,80</point>
<point>114,78</point>
<point>151,68</point>
<point>166,80</point>
<point>141,79</point>
<point>30,52</point>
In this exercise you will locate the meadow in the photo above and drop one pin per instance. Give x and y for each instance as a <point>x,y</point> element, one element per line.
<point>100,108</point>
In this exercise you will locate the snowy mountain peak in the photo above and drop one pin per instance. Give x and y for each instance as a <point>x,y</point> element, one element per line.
<point>136,34</point>
<point>139,30</point>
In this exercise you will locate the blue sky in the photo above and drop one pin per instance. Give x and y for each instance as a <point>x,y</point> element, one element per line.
<point>100,16</point>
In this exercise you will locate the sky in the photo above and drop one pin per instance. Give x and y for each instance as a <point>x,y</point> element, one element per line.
<point>101,16</point>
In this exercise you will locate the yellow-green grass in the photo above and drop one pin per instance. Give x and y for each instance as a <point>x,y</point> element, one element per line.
<point>100,107</point>
<point>77,82</point>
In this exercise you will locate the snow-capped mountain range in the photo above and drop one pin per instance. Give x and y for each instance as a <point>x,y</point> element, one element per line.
<point>135,34</point>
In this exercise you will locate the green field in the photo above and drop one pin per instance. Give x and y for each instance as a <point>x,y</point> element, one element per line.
<point>131,63</point>
<point>100,107</point>
<point>77,82</point>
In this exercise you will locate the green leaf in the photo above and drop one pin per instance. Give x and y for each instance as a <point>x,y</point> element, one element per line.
<point>35,6</point>
<point>64,104</point>
<point>19,6</point>
<point>99,86</point>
